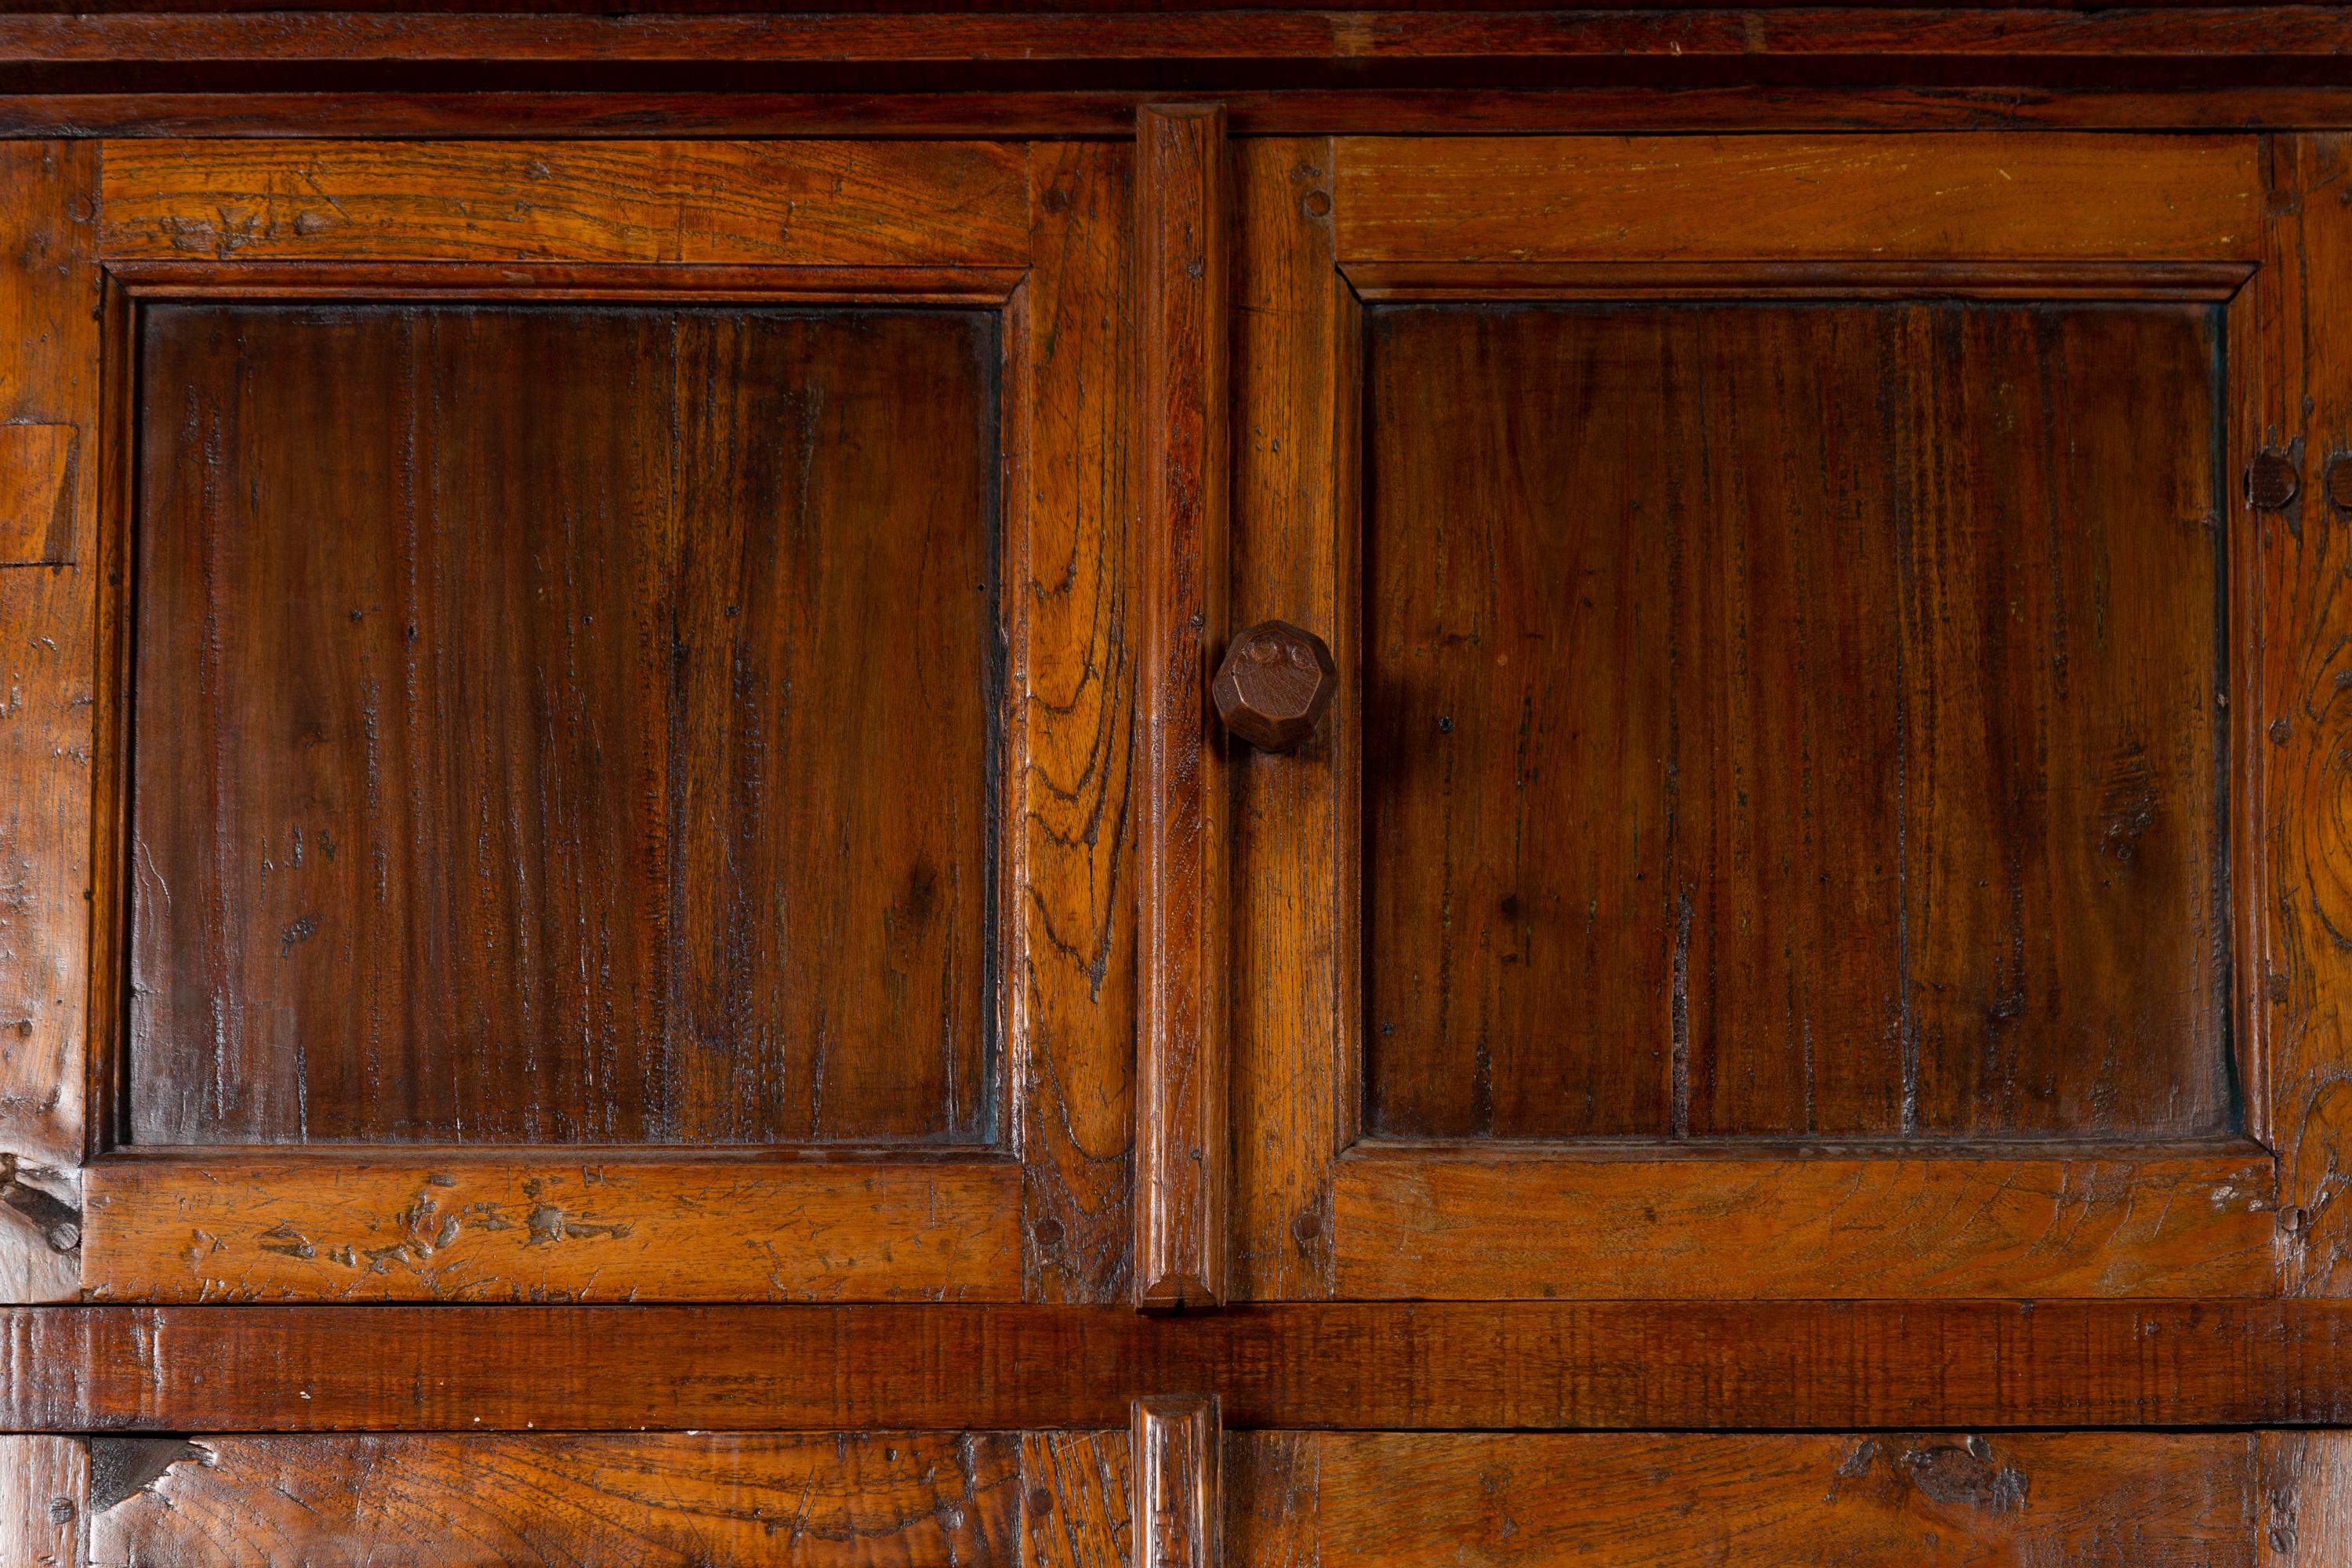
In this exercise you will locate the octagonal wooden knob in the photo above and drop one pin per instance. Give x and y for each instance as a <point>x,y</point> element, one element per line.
<point>1275,683</point>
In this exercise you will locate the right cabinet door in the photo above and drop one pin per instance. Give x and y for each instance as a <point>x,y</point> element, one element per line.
<point>1785,827</point>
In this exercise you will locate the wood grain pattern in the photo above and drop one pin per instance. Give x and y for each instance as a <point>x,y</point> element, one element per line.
<point>541,799</point>
<point>1795,720</point>
<point>1071,770</point>
<point>1182,1143</point>
<point>44,1501</point>
<point>2209,34</point>
<point>48,631</point>
<point>1615,1365</point>
<point>1273,1482</point>
<point>1753,38</point>
<point>2306,1498</point>
<point>1175,1447</point>
<point>1075,1495</point>
<point>364,1229</point>
<point>1295,1050</point>
<point>921,1499</point>
<point>1803,1224</point>
<point>2296,393</point>
<point>800,202</point>
<point>37,494</point>
<point>1912,1500</point>
<point>204,110</point>
<point>1470,198</point>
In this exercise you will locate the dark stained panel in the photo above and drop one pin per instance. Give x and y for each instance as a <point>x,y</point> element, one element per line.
<point>566,725</point>
<point>1794,719</point>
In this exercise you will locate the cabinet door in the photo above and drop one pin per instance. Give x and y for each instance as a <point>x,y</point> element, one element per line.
<point>1794,821</point>
<point>594,666</point>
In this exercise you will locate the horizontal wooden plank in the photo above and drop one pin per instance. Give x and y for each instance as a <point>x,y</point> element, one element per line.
<point>1600,1365</point>
<point>1241,33</point>
<point>907,1499</point>
<point>814,203</point>
<point>1109,113</point>
<point>1646,1500</point>
<point>1520,1223</point>
<point>253,1228</point>
<point>1894,198</point>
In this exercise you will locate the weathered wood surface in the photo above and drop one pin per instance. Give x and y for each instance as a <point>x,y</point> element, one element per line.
<point>2296,396</point>
<point>50,626</point>
<point>39,494</point>
<point>1182,1143</point>
<point>619,768</point>
<point>358,1227</point>
<point>1976,1222</point>
<point>1616,1366</point>
<point>2305,1516</point>
<point>915,1499</point>
<point>1071,773</point>
<point>1294,1009</point>
<point>1898,1501</point>
<point>1894,198</point>
<point>800,203</point>
<point>1076,1496</point>
<point>44,1501</point>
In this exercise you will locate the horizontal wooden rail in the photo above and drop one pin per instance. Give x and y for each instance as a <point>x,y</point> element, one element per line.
<point>1600,1365</point>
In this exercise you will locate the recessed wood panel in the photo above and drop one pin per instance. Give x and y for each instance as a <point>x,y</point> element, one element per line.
<point>1794,719</point>
<point>563,724</point>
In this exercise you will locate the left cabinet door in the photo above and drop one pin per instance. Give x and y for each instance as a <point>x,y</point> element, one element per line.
<point>582,685</point>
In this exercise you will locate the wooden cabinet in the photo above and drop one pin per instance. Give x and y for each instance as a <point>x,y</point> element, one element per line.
<point>636,924</point>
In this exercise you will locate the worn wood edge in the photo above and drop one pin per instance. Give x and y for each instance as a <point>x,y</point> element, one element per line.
<point>1618,1365</point>
<point>1855,279</point>
<point>1417,1223</point>
<point>1956,197</point>
<point>375,1228</point>
<point>48,611</point>
<point>1177,1450</point>
<point>800,202</point>
<point>1181,1141</point>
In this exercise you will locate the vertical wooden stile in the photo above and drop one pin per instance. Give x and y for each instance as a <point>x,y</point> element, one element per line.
<point>1181,1143</point>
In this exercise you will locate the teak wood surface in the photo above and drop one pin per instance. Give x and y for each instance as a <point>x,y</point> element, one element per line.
<point>800,962</point>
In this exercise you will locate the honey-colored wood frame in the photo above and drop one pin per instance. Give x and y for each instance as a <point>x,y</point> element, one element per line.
<point>1035,235</point>
<point>1324,226</point>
